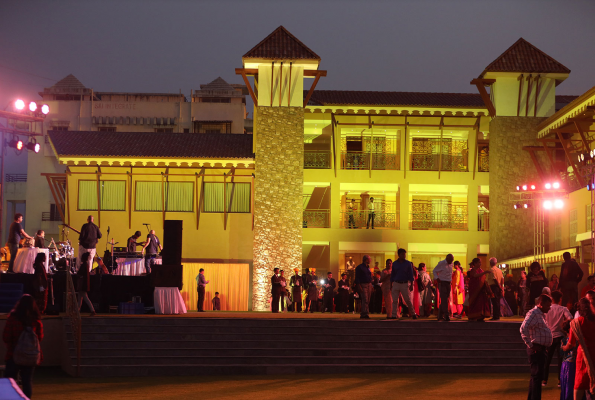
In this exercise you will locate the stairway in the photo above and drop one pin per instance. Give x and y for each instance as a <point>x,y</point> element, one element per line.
<point>160,346</point>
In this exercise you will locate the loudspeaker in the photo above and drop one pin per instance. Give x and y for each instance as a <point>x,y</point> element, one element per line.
<point>166,276</point>
<point>172,242</point>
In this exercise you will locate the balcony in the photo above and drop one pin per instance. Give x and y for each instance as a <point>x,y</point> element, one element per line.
<point>438,215</point>
<point>359,160</point>
<point>15,178</point>
<point>365,152</point>
<point>316,219</point>
<point>426,155</point>
<point>317,159</point>
<point>483,159</point>
<point>358,220</point>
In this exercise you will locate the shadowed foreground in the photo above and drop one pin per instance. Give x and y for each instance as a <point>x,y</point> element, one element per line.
<point>54,384</point>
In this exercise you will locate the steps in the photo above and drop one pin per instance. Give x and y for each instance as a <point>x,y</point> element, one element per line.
<point>141,346</point>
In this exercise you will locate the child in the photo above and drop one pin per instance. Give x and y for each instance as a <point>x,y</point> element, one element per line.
<point>568,366</point>
<point>216,302</point>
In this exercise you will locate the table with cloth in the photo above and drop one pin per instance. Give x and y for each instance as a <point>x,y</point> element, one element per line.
<point>132,266</point>
<point>168,300</point>
<point>23,263</point>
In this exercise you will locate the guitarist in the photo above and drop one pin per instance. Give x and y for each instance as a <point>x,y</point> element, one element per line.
<point>89,235</point>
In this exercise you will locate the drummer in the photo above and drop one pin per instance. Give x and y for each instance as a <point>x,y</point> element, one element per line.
<point>131,245</point>
<point>40,239</point>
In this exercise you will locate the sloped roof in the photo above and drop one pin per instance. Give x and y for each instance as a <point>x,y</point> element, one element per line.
<point>522,56</point>
<point>151,144</point>
<point>367,98</point>
<point>281,45</point>
<point>70,82</point>
<point>217,84</point>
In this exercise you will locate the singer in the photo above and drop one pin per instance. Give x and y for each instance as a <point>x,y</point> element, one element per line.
<point>89,235</point>
<point>151,247</point>
<point>40,239</point>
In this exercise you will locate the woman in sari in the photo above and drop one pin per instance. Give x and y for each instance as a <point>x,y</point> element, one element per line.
<point>582,332</point>
<point>426,295</point>
<point>479,292</point>
<point>458,290</point>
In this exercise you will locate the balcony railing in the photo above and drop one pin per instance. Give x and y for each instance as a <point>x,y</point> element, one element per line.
<point>483,222</point>
<point>50,216</point>
<point>317,159</point>
<point>360,160</point>
<point>429,215</point>
<point>483,162</point>
<point>316,219</point>
<point>15,178</point>
<point>359,219</point>
<point>431,162</point>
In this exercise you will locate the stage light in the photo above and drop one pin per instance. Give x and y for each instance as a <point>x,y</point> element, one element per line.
<point>547,204</point>
<point>322,282</point>
<point>518,188</point>
<point>532,187</point>
<point>592,153</point>
<point>590,186</point>
<point>32,106</point>
<point>19,104</point>
<point>526,205</point>
<point>556,185</point>
<point>45,109</point>
<point>548,186</point>
<point>524,187</point>
<point>34,146</point>
<point>559,204</point>
<point>516,206</point>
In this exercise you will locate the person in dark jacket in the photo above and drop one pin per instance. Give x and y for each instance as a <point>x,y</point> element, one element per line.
<point>312,299</point>
<point>296,284</point>
<point>84,284</point>
<point>343,294</point>
<point>275,290</point>
<point>329,293</point>
<point>570,276</point>
<point>510,294</point>
<point>88,237</point>
<point>363,283</point>
<point>40,282</point>
<point>40,239</point>
<point>376,297</point>
<point>536,281</point>
<point>25,314</point>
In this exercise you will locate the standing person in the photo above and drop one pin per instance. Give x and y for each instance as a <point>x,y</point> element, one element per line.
<point>443,274</point>
<point>536,281</point>
<point>538,337</point>
<point>496,282</point>
<point>40,282</point>
<point>554,319</point>
<point>568,370</point>
<point>402,283</point>
<point>522,293</point>
<point>570,276</point>
<point>376,297</point>
<point>510,294</point>
<point>386,287</point>
<point>40,239</point>
<point>283,289</point>
<point>15,234</point>
<point>296,284</point>
<point>589,286</point>
<point>426,295</point>
<point>132,242</point>
<point>312,298</point>
<point>554,283</point>
<point>482,212</point>
<point>216,302</point>
<point>363,283</point>
<point>306,278</point>
<point>350,211</point>
<point>23,316</point>
<point>582,334</point>
<point>479,292</point>
<point>150,248</point>
<point>88,237</point>
<point>329,293</point>
<point>350,269</point>
<point>84,283</point>
<point>458,290</point>
<point>275,290</point>
<point>201,284</point>
<point>343,293</point>
<point>371,213</point>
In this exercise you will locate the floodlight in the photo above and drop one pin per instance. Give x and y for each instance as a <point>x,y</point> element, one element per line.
<point>547,204</point>
<point>32,106</point>
<point>559,204</point>
<point>45,109</point>
<point>556,185</point>
<point>19,104</point>
<point>524,187</point>
<point>548,186</point>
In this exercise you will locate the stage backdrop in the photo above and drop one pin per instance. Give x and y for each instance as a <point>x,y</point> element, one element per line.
<point>230,280</point>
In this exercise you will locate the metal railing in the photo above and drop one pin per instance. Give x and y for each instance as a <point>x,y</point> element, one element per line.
<point>361,219</point>
<point>431,162</point>
<point>316,219</point>
<point>317,159</point>
<point>73,313</point>
<point>483,162</point>
<point>360,160</point>
<point>483,222</point>
<point>15,178</point>
<point>50,216</point>
<point>428,215</point>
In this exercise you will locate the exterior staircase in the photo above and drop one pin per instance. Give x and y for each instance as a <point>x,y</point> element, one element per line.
<point>161,346</point>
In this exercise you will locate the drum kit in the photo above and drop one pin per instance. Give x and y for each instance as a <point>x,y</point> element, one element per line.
<point>62,256</point>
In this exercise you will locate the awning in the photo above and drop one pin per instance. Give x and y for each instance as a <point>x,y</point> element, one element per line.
<point>548,258</point>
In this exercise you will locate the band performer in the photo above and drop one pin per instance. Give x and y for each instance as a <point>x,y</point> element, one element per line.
<point>88,237</point>
<point>40,239</point>
<point>131,244</point>
<point>150,248</point>
<point>16,233</point>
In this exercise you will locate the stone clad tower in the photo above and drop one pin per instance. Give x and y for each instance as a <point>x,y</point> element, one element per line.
<point>279,65</point>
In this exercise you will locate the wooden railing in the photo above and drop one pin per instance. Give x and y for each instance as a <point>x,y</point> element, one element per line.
<point>73,313</point>
<point>426,215</point>
<point>316,219</point>
<point>359,219</point>
<point>317,159</point>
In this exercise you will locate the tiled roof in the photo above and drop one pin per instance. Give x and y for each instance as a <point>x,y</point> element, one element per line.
<point>151,144</point>
<point>281,45</point>
<point>70,82</point>
<point>522,56</point>
<point>366,98</point>
<point>217,84</point>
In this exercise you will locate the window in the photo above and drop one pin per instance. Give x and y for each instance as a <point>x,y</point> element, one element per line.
<point>214,193</point>
<point>179,196</point>
<point>107,129</point>
<point>164,130</point>
<point>215,99</point>
<point>212,126</point>
<point>59,128</point>
<point>113,195</point>
<point>573,227</point>
<point>186,130</point>
<point>67,97</point>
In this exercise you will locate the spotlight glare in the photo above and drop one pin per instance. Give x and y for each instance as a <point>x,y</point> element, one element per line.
<point>518,188</point>
<point>45,109</point>
<point>20,145</point>
<point>547,204</point>
<point>19,104</point>
<point>32,106</point>
<point>548,185</point>
<point>559,204</point>
<point>556,185</point>
<point>532,187</point>
<point>37,147</point>
<point>524,187</point>
<point>525,205</point>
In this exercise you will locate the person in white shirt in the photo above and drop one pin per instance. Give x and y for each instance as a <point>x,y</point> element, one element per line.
<point>371,214</point>
<point>481,216</point>
<point>538,337</point>
<point>554,319</point>
<point>443,274</point>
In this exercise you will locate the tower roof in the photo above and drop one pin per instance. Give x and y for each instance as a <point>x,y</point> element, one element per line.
<point>522,56</point>
<point>70,82</point>
<point>281,45</point>
<point>217,84</point>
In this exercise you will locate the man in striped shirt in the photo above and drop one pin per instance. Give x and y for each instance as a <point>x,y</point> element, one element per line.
<point>538,337</point>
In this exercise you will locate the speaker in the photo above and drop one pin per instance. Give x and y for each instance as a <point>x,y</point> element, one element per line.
<point>172,242</point>
<point>166,276</point>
